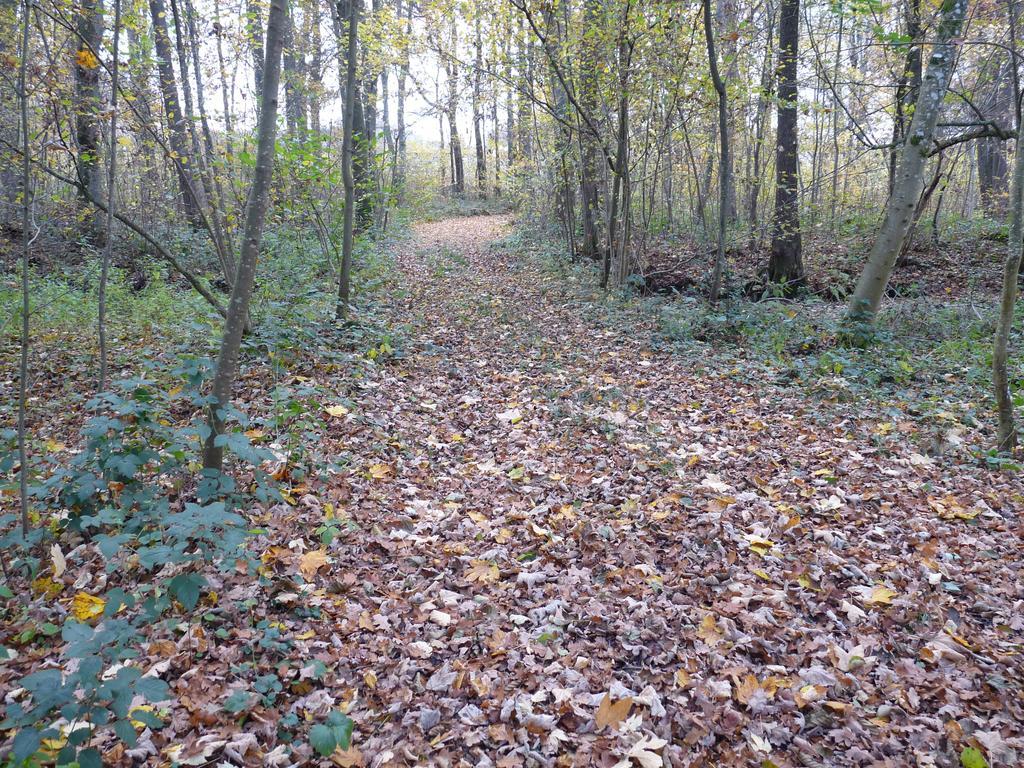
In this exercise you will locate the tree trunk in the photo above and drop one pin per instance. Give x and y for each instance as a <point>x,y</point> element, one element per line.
<point>10,177</point>
<point>725,163</point>
<point>478,115</point>
<point>108,233</point>
<point>255,215</point>
<point>89,26</point>
<point>786,263</point>
<point>347,152</point>
<point>254,38</point>
<point>909,179</point>
<point>294,105</point>
<point>1007,434</point>
<point>177,132</point>
<point>590,204</point>
<point>760,123</point>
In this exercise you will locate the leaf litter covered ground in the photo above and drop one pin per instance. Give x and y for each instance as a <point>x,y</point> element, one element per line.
<point>560,545</point>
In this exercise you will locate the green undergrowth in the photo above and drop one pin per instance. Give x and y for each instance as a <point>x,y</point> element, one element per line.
<point>925,359</point>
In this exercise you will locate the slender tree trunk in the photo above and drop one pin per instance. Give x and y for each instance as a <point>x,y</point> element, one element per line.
<point>909,180</point>
<point>10,178</point>
<point>210,180</point>
<point>786,263</point>
<point>26,243</point>
<point>294,103</point>
<point>348,141</point>
<point>590,204</point>
<point>760,124</point>
<point>724,180</point>
<point>108,240</point>
<point>254,38</point>
<point>176,121</point>
<point>401,151</point>
<point>89,26</point>
<point>478,115</point>
<point>1007,434</point>
<point>255,216</point>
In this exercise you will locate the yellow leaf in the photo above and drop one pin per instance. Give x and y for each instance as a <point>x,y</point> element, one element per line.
<point>86,59</point>
<point>746,690</point>
<point>612,713</point>
<point>682,678</point>
<point>483,572</point>
<point>311,562</point>
<point>86,607</point>
<point>759,544</point>
<point>309,634</point>
<point>380,471</point>
<point>880,596</point>
<point>370,678</point>
<point>709,631</point>
<point>337,411</point>
<point>348,758</point>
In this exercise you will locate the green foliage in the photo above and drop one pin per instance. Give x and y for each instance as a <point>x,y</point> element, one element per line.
<point>116,491</point>
<point>335,733</point>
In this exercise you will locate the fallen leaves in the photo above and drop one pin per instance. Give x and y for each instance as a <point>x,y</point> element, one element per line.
<point>312,561</point>
<point>483,572</point>
<point>86,607</point>
<point>610,713</point>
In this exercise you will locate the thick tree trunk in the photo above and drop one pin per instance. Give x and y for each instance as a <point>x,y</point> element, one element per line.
<point>909,183</point>
<point>89,26</point>
<point>786,263</point>
<point>255,216</point>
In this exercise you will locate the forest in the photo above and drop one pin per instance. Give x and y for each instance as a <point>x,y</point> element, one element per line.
<point>511,383</point>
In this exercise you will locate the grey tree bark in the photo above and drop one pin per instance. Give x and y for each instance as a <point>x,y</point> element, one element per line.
<point>176,120</point>
<point>347,158</point>
<point>255,216</point>
<point>909,181</point>
<point>725,162</point>
<point>1007,428</point>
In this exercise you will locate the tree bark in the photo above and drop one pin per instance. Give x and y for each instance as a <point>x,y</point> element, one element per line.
<point>1007,428</point>
<point>909,179</point>
<point>478,116</point>
<point>255,216</point>
<point>785,265</point>
<point>177,132</point>
<point>89,28</point>
<point>348,142</point>
<point>725,163</point>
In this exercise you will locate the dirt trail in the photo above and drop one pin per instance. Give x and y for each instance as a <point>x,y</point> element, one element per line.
<point>549,511</point>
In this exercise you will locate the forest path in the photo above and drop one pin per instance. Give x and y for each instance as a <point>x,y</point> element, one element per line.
<point>549,510</point>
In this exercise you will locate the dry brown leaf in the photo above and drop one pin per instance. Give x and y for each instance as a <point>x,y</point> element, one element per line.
<point>611,713</point>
